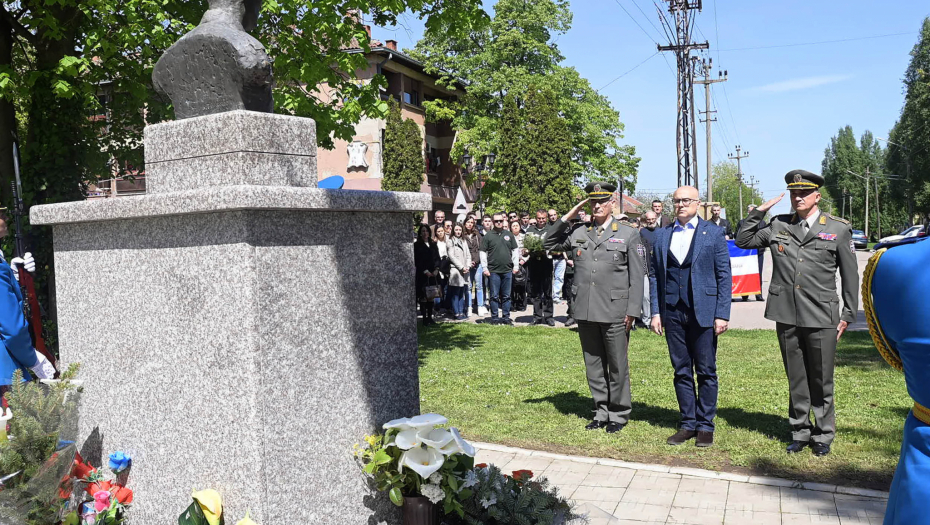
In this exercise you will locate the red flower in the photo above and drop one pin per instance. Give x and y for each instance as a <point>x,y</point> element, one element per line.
<point>481,465</point>
<point>122,494</point>
<point>81,470</point>
<point>522,475</point>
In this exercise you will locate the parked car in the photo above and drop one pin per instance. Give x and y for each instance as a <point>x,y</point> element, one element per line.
<point>901,242</point>
<point>859,239</point>
<point>913,231</point>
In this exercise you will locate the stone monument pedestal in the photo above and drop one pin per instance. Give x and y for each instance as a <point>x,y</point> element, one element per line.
<point>238,329</point>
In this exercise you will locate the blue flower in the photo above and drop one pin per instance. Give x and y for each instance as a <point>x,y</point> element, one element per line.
<point>119,461</point>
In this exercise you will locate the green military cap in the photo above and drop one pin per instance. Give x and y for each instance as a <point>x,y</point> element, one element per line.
<point>600,190</point>
<point>803,180</point>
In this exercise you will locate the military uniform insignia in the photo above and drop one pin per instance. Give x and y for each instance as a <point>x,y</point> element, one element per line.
<point>615,240</point>
<point>781,248</point>
<point>782,234</point>
<point>827,236</point>
<point>852,247</point>
<point>597,188</point>
<point>798,177</point>
<point>838,219</point>
<point>506,237</point>
<point>641,250</point>
<point>578,253</point>
<point>581,241</point>
<point>614,228</point>
<point>823,219</point>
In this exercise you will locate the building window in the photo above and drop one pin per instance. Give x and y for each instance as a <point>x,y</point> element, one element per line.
<point>412,97</point>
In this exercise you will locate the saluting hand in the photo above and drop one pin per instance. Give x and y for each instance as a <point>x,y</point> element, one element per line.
<point>572,213</point>
<point>768,205</point>
<point>840,329</point>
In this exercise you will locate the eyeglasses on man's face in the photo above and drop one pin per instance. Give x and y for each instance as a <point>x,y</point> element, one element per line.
<point>498,220</point>
<point>683,202</point>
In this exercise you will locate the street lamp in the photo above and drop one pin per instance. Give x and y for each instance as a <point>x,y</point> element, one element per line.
<point>487,162</point>
<point>907,160</point>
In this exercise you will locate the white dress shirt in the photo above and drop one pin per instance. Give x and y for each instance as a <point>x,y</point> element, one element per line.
<point>812,219</point>
<point>681,238</point>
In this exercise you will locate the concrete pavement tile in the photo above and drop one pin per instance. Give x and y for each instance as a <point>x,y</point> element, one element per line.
<point>856,507</point>
<point>655,480</point>
<point>598,509</point>
<point>604,476</point>
<point>862,492</point>
<point>745,517</point>
<point>566,491</point>
<point>563,477</point>
<point>729,476</point>
<point>809,519</point>
<point>519,462</point>
<point>492,457</point>
<point>633,522</point>
<point>696,516</point>
<point>700,500</point>
<point>753,498</point>
<point>774,482</point>
<point>705,486</point>
<point>569,466</point>
<point>795,501</point>
<point>663,497</point>
<point>642,512</point>
<point>822,487</point>
<point>695,472</point>
<point>612,494</point>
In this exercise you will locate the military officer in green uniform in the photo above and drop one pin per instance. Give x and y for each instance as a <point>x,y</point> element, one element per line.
<point>807,248</point>
<point>607,296</point>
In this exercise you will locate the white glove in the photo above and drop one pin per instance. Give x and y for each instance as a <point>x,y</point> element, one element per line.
<point>44,368</point>
<point>27,261</point>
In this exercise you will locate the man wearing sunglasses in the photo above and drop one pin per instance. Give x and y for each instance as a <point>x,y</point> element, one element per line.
<point>607,297</point>
<point>808,246</point>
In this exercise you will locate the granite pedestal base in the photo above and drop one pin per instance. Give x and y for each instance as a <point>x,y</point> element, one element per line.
<point>240,338</point>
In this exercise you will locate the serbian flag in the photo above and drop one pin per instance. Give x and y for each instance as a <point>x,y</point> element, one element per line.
<point>744,264</point>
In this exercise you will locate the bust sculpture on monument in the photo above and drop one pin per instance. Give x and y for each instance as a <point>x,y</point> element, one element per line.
<point>218,66</point>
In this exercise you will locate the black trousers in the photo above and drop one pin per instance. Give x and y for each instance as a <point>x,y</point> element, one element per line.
<point>540,287</point>
<point>567,290</point>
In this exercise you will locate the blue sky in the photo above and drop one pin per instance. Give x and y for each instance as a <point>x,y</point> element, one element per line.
<point>782,104</point>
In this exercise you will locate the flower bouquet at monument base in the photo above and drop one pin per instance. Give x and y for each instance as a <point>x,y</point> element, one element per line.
<point>429,471</point>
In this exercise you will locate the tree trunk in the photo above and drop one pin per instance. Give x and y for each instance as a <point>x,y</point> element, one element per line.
<point>7,118</point>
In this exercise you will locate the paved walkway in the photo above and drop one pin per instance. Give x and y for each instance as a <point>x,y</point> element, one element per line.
<point>746,315</point>
<point>620,493</point>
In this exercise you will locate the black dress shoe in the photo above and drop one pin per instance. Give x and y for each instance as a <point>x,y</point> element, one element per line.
<point>820,449</point>
<point>570,321</point>
<point>796,446</point>
<point>745,298</point>
<point>613,427</point>
<point>550,321</point>
<point>680,437</point>
<point>595,425</point>
<point>759,298</point>
<point>704,439</point>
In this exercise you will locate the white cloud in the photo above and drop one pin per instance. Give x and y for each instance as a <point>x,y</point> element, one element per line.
<point>801,83</point>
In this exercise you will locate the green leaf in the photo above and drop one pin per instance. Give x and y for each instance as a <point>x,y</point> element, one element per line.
<point>192,516</point>
<point>396,497</point>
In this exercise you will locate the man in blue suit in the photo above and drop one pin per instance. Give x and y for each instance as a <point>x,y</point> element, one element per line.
<point>690,283</point>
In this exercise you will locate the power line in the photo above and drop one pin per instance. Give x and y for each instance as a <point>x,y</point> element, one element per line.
<point>635,22</point>
<point>817,43</point>
<point>629,71</point>
<point>646,17</point>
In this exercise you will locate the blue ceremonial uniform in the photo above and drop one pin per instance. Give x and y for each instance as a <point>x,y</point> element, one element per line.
<point>895,289</point>
<point>14,331</point>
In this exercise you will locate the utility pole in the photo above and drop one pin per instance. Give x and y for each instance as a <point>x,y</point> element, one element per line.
<point>866,179</point>
<point>706,66</point>
<point>878,208</point>
<point>752,189</point>
<point>739,175</point>
<point>845,196</point>
<point>682,47</point>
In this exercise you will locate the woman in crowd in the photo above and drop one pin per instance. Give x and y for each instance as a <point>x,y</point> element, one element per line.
<point>519,280</point>
<point>473,240</point>
<point>443,305</point>
<point>426,260</point>
<point>460,263</point>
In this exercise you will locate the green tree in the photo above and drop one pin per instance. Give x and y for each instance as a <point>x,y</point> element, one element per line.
<point>727,189</point>
<point>540,176</point>
<point>508,57</point>
<point>403,153</point>
<point>909,155</point>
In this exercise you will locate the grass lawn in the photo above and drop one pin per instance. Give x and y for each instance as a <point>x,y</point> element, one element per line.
<point>526,387</point>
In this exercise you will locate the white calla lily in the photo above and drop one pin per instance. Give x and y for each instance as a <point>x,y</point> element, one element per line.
<point>407,439</point>
<point>436,437</point>
<point>423,461</point>
<point>399,423</point>
<point>467,448</point>
<point>450,448</point>
<point>426,420</point>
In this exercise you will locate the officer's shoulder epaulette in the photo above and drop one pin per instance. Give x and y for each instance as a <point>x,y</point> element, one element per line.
<point>785,217</point>
<point>837,219</point>
<point>628,224</point>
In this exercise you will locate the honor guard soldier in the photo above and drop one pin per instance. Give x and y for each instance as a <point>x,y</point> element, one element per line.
<point>607,296</point>
<point>807,248</point>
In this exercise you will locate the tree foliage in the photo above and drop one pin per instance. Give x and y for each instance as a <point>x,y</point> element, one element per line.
<point>727,191</point>
<point>535,165</point>
<point>510,56</point>
<point>403,153</point>
<point>845,166</point>
<point>909,151</point>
